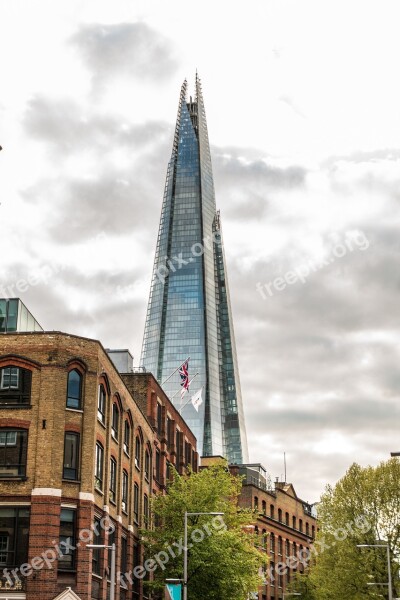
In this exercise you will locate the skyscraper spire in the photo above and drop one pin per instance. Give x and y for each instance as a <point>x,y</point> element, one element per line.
<point>189,311</point>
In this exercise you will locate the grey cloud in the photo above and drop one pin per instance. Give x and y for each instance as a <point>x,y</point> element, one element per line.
<point>129,49</point>
<point>72,128</point>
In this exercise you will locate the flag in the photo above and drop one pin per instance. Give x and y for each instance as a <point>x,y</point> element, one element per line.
<point>197,399</point>
<point>184,374</point>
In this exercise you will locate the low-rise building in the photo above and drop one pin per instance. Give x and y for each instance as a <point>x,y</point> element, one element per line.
<point>285,526</point>
<point>82,450</point>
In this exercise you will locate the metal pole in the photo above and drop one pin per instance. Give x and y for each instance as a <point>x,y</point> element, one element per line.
<point>185,557</point>
<point>112,586</point>
<point>389,573</point>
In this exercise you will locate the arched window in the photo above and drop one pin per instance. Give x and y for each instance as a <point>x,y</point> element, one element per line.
<point>300,524</point>
<point>313,532</point>
<point>136,503</point>
<point>15,385</point>
<point>138,451</point>
<point>287,548</point>
<point>272,543</point>
<point>101,404</point>
<point>287,518</point>
<point>280,515</point>
<point>272,511</point>
<point>255,503</point>
<point>280,546</point>
<point>147,464</point>
<point>99,467</point>
<point>264,507</point>
<point>74,389</point>
<point>125,490</point>
<point>294,523</point>
<point>113,480</point>
<point>307,528</point>
<point>115,421</point>
<point>127,437</point>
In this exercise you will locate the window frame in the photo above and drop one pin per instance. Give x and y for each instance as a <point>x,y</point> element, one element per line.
<point>99,466</point>
<point>102,404</point>
<point>125,491</point>
<point>115,414</point>
<point>21,439</point>
<point>112,486</point>
<point>77,437</point>
<point>77,399</point>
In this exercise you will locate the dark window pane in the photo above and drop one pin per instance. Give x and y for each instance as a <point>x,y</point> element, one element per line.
<point>71,456</point>
<point>13,451</point>
<point>15,385</point>
<point>67,539</point>
<point>14,531</point>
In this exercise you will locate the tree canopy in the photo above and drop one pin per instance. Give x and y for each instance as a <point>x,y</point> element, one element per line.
<point>223,562</point>
<point>362,508</point>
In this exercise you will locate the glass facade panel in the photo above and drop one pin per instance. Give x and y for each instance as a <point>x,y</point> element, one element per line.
<point>189,311</point>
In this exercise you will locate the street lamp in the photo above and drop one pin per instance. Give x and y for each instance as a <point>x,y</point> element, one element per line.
<point>185,550</point>
<point>112,574</point>
<point>395,454</point>
<point>389,583</point>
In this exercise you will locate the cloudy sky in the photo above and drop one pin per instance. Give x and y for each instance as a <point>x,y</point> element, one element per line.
<point>303,109</point>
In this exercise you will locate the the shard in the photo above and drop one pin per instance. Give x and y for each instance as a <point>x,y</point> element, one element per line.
<point>189,312</point>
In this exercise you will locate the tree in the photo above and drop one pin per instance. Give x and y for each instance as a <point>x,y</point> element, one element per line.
<point>362,508</point>
<point>223,562</point>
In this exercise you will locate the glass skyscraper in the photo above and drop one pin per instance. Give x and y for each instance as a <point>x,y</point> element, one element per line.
<point>189,313</point>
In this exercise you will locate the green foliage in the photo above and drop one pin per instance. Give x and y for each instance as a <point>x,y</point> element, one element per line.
<point>362,508</point>
<point>225,564</point>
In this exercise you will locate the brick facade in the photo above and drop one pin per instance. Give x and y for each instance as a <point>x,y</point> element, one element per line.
<point>138,432</point>
<point>286,527</point>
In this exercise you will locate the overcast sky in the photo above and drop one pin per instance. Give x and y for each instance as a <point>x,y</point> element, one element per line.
<point>303,109</point>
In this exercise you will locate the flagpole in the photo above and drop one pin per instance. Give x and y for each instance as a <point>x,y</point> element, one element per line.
<point>188,386</point>
<point>173,372</point>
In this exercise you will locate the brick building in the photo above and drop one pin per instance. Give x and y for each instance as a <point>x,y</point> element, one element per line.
<point>82,449</point>
<point>285,525</point>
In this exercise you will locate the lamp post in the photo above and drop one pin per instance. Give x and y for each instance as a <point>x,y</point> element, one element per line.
<point>395,454</point>
<point>389,583</point>
<point>185,541</point>
<point>112,574</point>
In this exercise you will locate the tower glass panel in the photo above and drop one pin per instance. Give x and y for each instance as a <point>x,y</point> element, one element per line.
<point>189,312</point>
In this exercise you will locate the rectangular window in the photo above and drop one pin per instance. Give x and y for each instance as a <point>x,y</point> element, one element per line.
<point>125,487</point>
<point>9,378</point>
<point>158,465</point>
<point>14,536</point>
<point>97,541</point>
<point>67,540</point>
<point>113,479</point>
<point>124,555</point>
<point>15,385</point>
<point>71,456</point>
<point>111,541</point>
<point>159,418</point>
<point>170,436</point>
<point>13,453</point>
<point>146,514</point>
<point>99,467</point>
